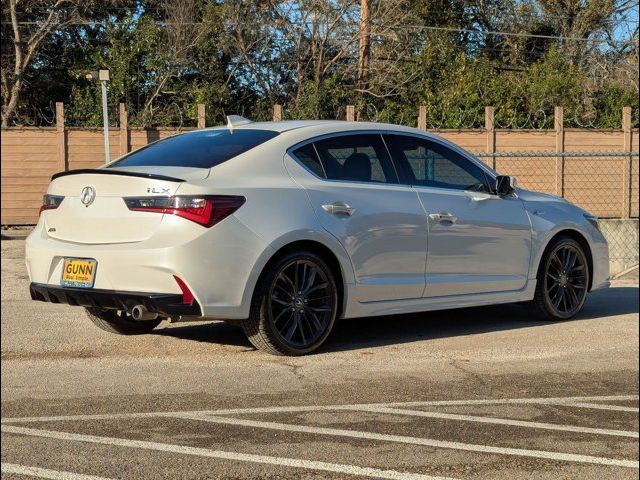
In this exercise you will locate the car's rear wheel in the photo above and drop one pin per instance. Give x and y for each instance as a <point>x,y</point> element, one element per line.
<point>294,306</point>
<point>563,280</point>
<point>114,321</point>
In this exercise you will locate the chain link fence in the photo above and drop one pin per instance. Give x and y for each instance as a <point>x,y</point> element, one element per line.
<point>605,183</point>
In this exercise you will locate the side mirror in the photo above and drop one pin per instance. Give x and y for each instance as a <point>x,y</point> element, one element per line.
<point>505,185</point>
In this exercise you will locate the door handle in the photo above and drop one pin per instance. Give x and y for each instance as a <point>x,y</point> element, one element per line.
<point>443,217</point>
<point>339,208</point>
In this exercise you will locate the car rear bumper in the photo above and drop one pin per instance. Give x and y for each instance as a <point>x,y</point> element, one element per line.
<point>164,304</point>
<point>217,265</point>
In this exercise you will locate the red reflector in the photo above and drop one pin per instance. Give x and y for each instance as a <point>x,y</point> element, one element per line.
<point>205,210</point>
<point>187,296</point>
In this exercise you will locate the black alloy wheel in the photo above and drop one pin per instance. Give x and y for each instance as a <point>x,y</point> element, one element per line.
<point>294,307</point>
<point>301,303</point>
<point>115,321</point>
<point>563,280</point>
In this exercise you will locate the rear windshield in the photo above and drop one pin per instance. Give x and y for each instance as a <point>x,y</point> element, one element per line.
<point>204,149</point>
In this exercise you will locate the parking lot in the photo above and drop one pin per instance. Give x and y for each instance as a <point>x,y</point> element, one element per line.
<point>474,393</point>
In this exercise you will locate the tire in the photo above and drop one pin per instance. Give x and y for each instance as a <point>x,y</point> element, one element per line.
<point>294,305</point>
<point>562,280</point>
<point>113,321</point>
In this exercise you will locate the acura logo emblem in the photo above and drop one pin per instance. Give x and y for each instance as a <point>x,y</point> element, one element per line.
<point>88,195</point>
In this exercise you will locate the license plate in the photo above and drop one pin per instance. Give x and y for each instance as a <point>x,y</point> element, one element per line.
<point>78,272</point>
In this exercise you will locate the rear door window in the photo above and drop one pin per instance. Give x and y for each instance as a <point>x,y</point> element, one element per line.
<point>308,157</point>
<point>202,149</point>
<point>358,158</point>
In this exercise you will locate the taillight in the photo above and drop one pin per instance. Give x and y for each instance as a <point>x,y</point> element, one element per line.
<point>51,202</point>
<point>204,210</point>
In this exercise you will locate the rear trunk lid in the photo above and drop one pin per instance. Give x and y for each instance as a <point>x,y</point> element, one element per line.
<point>93,210</point>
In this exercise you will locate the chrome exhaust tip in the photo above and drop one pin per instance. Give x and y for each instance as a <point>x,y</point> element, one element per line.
<point>140,312</point>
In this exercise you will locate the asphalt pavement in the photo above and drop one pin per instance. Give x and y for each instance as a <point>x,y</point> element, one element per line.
<point>474,393</point>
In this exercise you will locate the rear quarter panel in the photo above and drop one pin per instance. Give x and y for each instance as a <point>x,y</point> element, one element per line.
<point>277,212</point>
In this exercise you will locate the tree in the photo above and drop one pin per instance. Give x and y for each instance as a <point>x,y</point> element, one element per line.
<point>163,60</point>
<point>316,56</point>
<point>25,39</point>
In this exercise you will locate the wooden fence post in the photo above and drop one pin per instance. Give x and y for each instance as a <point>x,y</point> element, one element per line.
<point>124,129</point>
<point>422,117</point>
<point>558,123</point>
<point>277,112</point>
<point>202,119</point>
<point>490,127</point>
<point>61,134</point>
<point>626,163</point>
<point>351,113</point>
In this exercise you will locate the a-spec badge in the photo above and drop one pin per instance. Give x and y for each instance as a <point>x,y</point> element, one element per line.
<point>88,195</point>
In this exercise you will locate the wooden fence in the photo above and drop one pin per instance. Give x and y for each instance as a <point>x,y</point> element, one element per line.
<point>606,184</point>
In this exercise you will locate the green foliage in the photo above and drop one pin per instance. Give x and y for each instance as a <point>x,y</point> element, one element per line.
<point>610,100</point>
<point>325,100</point>
<point>161,70</point>
<point>158,87</point>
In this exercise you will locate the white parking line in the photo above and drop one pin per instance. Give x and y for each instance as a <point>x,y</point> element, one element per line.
<point>568,401</point>
<point>225,455</point>
<point>77,418</point>
<point>600,406</point>
<point>46,473</point>
<point>567,457</point>
<point>497,421</point>
<point>518,401</point>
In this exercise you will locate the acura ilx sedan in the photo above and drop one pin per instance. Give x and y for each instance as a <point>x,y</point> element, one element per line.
<point>287,226</point>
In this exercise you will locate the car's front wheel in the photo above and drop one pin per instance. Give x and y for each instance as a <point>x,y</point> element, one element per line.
<point>563,280</point>
<point>294,306</point>
<point>114,321</point>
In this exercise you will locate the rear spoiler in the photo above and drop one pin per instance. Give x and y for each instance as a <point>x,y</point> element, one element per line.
<point>103,171</point>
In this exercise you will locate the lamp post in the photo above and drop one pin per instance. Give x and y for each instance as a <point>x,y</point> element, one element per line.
<point>103,77</point>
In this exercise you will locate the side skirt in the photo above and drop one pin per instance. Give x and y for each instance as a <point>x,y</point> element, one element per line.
<point>426,304</point>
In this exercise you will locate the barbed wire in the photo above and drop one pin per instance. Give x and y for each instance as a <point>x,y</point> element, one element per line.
<point>176,114</point>
<point>35,116</point>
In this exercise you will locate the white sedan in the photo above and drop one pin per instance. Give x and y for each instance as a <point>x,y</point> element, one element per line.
<point>287,226</point>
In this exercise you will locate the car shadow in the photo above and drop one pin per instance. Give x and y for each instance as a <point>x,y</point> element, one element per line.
<point>368,332</point>
<point>218,332</point>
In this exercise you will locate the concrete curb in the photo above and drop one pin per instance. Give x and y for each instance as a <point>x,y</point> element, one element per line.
<point>625,272</point>
<point>15,234</point>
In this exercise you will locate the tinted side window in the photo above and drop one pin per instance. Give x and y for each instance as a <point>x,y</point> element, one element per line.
<point>360,158</point>
<point>308,157</point>
<point>430,164</point>
<point>202,149</point>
